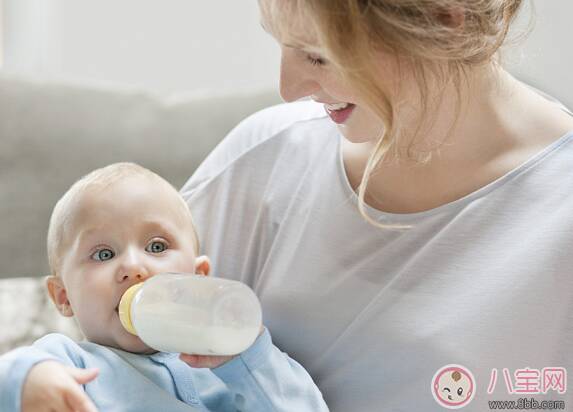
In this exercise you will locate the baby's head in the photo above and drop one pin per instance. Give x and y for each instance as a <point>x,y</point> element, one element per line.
<point>115,227</point>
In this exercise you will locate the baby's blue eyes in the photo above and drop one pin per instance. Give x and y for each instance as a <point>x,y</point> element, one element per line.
<point>156,247</point>
<point>106,254</point>
<point>103,254</point>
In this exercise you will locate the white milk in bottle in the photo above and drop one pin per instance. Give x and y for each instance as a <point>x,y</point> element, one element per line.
<point>195,314</point>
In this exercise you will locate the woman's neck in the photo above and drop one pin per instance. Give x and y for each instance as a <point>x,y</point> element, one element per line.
<point>500,125</point>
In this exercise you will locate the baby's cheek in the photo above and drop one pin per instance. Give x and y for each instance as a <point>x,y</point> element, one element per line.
<point>182,262</point>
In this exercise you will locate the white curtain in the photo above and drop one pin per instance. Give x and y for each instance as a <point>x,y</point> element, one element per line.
<point>161,45</point>
<point>215,45</point>
<point>30,37</point>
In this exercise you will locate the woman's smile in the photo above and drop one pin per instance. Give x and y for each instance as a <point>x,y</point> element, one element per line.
<point>340,112</point>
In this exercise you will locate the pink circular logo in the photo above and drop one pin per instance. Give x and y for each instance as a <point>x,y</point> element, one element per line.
<point>453,386</point>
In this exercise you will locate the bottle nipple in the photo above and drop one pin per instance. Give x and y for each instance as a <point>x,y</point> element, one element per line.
<point>125,308</point>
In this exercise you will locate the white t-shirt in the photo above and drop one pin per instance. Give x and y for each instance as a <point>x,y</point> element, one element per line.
<point>485,282</point>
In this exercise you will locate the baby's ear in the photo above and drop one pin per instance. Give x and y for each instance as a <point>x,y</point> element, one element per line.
<point>59,296</point>
<point>202,265</point>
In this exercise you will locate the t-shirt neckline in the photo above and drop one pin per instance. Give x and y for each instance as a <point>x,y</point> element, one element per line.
<point>390,217</point>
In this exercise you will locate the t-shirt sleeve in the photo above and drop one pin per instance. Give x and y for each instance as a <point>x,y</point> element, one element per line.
<point>239,141</point>
<point>16,364</point>
<point>226,194</point>
<point>265,379</point>
<point>256,129</point>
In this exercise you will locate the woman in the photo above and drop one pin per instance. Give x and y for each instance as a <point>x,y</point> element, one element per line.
<point>422,219</point>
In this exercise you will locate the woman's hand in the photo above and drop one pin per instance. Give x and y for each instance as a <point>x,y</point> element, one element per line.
<point>51,386</point>
<point>205,361</point>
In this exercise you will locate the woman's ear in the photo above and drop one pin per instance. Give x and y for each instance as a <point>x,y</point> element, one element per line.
<point>59,296</point>
<point>202,265</point>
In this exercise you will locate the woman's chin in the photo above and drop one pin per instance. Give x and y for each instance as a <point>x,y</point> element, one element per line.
<point>356,136</point>
<point>361,127</point>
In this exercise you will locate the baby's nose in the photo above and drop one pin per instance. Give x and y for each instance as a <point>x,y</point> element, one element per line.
<point>132,269</point>
<point>134,275</point>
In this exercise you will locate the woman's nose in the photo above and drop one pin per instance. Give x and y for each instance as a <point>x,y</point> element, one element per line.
<point>296,81</point>
<point>132,268</point>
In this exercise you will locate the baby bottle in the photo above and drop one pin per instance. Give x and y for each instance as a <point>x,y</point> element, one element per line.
<point>195,314</point>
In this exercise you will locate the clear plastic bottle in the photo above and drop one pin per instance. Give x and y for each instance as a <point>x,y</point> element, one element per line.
<point>195,314</point>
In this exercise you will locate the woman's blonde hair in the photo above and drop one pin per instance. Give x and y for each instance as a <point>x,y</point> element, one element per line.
<point>440,40</point>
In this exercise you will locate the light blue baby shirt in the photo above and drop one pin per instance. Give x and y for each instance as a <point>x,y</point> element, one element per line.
<point>260,379</point>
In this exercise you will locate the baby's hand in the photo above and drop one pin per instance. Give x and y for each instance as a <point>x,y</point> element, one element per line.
<point>205,361</point>
<point>51,386</point>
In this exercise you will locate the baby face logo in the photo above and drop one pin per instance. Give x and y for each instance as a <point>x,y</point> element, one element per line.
<point>453,386</point>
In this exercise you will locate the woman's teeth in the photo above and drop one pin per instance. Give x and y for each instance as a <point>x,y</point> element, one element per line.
<point>336,106</point>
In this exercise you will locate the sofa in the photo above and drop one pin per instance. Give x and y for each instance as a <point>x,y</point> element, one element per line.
<point>51,133</point>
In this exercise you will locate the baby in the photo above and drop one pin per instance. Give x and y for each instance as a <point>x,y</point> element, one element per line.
<point>115,227</point>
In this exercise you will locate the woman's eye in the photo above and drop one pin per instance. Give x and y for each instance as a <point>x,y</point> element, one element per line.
<point>156,247</point>
<point>315,60</point>
<point>103,255</point>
